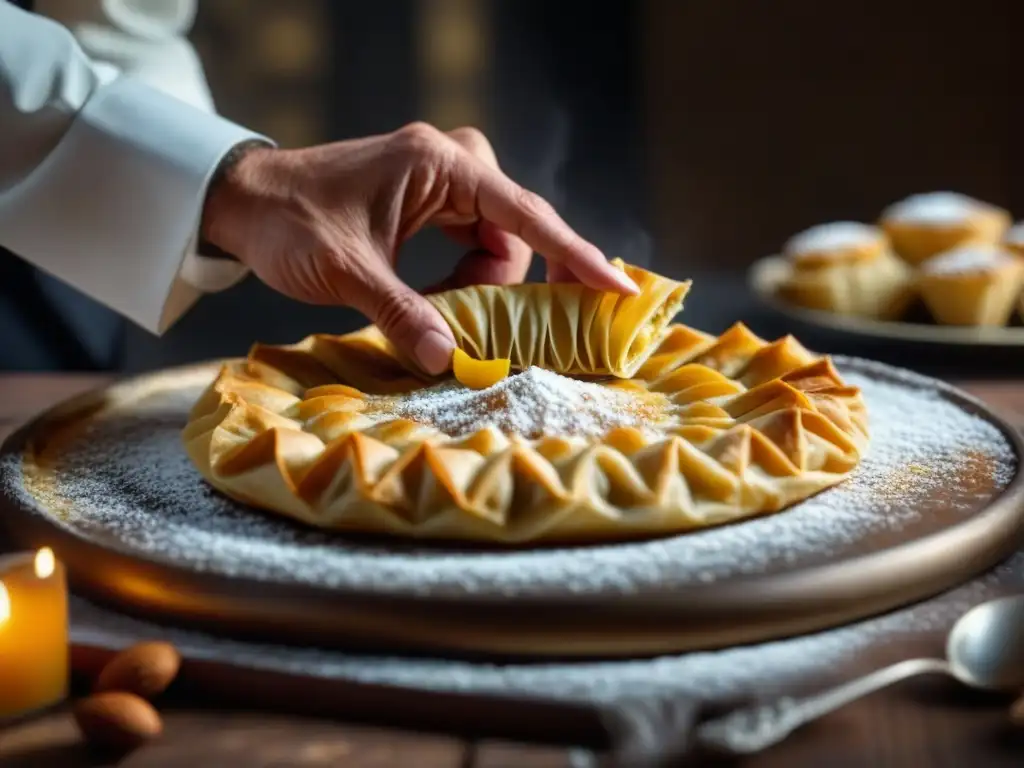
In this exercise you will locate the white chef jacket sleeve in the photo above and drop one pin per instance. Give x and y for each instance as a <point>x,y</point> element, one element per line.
<point>145,39</point>
<point>103,179</point>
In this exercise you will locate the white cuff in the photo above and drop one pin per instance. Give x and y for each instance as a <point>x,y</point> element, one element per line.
<point>115,209</point>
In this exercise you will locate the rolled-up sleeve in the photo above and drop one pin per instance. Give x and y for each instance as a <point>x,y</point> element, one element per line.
<point>102,180</point>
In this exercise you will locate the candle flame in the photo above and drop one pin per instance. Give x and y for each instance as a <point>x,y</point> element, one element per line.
<point>5,604</point>
<point>45,563</point>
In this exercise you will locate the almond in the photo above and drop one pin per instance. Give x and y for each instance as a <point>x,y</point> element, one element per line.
<point>1017,712</point>
<point>117,721</point>
<point>145,669</point>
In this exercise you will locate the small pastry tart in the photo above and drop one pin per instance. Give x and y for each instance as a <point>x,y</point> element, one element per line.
<point>975,284</point>
<point>924,225</point>
<point>846,267</point>
<point>1013,240</point>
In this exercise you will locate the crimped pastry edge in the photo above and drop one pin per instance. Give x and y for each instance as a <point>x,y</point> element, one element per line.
<point>555,516</point>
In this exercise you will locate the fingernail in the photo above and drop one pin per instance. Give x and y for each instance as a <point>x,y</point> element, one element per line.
<point>626,282</point>
<point>434,352</point>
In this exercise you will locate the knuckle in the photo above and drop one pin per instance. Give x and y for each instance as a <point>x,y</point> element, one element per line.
<point>470,137</point>
<point>418,138</point>
<point>394,306</point>
<point>419,128</point>
<point>533,205</point>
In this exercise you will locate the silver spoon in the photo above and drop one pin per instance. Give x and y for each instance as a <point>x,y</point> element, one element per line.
<point>984,650</point>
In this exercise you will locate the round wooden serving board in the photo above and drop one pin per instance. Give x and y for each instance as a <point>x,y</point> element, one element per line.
<point>102,479</point>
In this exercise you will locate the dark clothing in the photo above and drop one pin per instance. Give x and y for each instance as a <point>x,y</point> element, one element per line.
<point>46,325</point>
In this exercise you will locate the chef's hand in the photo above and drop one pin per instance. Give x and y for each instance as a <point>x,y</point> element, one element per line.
<point>325,225</point>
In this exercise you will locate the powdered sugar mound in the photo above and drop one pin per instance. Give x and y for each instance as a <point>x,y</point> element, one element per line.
<point>834,237</point>
<point>936,208</point>
<point>129,480</point>
<point>967,259</point>
<point>530,404</point>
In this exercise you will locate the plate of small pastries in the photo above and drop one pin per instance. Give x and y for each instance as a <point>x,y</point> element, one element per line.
<point>936,267</point>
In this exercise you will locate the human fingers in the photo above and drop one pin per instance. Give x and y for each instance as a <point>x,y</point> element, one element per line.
<point>559,273</point>
<point>518,211</point>
<point>474,190</point>
<point>504,258</point>
<point>480,267</point>
<point>407,319</point>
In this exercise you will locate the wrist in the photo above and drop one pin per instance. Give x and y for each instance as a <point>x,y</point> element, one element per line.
<point>232,191</point>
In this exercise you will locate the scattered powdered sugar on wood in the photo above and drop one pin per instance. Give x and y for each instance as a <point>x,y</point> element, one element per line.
<point>763,669</point>
<point>833,238</point>
<point>935,208</point>
<point>967,259</point>
<point>129,481</point>
<point>530,404</point>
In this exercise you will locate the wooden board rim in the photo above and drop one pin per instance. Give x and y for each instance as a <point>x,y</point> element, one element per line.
<point>699,617</point>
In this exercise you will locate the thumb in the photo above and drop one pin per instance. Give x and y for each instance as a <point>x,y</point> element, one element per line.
<point>407,319</point>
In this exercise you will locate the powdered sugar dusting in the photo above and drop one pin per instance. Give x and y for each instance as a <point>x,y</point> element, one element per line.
<point>129,480</point>
<point>832,239</point>
<point>936,208</point>
<point>966,259</point>
<point>764,669</point>
<point>530,404</point>
<point>1015,234</point>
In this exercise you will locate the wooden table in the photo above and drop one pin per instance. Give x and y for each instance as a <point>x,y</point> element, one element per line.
<point>926,724</point>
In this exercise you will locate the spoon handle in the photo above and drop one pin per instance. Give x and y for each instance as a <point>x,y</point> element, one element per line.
<point>750,730</point>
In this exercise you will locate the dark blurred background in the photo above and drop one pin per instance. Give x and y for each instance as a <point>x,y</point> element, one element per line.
<point>691,136</point>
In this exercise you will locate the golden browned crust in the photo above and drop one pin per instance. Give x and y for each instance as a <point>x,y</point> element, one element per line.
<point>748,426</point>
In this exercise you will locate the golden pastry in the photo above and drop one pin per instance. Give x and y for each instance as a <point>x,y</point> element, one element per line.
<point>1013,240</point>
<point>613,424</point>
<point>569,329</point>
<point>974,284</point>
<point>846,267</point>
<point>924,225</point>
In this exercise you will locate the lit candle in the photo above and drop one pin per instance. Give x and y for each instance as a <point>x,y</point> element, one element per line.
<point>33,632</point>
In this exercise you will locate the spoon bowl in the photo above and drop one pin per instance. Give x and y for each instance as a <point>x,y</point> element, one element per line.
<point>985,648</point>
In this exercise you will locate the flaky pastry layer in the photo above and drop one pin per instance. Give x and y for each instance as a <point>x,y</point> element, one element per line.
<point>568,329</point>
<point>749,427</point>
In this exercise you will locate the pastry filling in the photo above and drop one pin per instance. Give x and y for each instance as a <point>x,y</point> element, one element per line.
<point>532,404</point>
<point>651,329</point>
